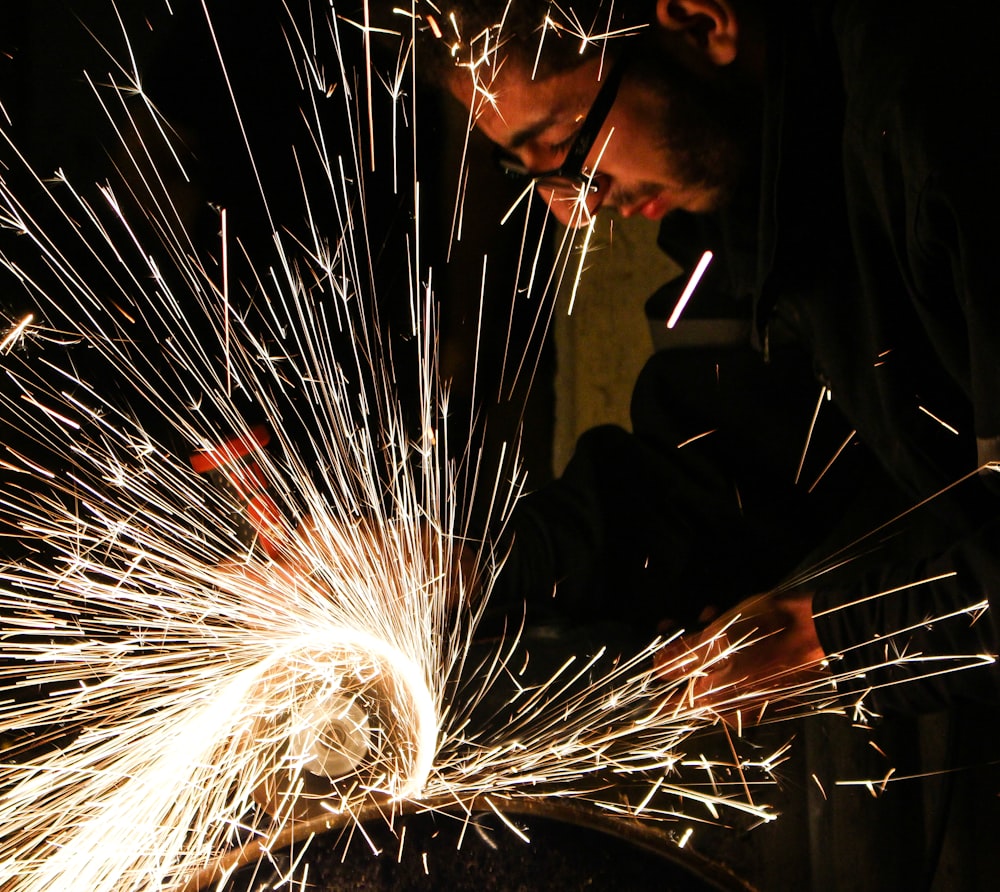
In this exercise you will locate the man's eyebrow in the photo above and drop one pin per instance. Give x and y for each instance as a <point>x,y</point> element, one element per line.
<point>532,131</point>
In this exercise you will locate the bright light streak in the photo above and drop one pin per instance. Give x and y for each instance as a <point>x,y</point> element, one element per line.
<point>695,438</point>
<point>943,424</point>
<point>689,289</point>
<point>891,591</point>
<point>830,463</point>
<point>15,333</point>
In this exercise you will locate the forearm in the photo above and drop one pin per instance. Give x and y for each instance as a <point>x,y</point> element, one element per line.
<point>923,623</point>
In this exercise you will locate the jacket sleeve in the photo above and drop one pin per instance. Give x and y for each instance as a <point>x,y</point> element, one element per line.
<point>933,620</point>
<point>953,282</point>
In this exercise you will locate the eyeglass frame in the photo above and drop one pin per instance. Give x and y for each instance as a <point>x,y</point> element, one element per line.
<point>570,176</point>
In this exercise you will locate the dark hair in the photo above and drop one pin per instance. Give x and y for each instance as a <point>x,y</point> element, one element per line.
<point>450,35</point>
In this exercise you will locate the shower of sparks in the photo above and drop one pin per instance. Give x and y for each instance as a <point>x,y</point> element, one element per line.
<point>561,21</point>
<point>175,693</point>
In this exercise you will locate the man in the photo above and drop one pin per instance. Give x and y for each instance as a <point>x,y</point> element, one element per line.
<point>838,158</point>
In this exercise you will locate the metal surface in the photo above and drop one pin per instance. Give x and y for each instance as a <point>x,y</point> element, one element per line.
<point>645,837</point>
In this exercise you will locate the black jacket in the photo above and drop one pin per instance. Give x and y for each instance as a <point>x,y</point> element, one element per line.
<point>861,259</point>
<point>890,285</point>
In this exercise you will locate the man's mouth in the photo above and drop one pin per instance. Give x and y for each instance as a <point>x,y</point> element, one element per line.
<point>657,207</point>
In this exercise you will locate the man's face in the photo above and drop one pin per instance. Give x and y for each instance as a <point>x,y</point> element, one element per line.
<point>672,139</point>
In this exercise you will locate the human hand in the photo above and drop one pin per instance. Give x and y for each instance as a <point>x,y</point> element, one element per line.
<point>764,652</point>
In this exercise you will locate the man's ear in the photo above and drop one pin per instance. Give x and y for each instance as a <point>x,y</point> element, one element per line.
<point>708,25</point>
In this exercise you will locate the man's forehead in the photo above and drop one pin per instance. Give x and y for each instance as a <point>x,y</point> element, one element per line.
<point>512,107</point>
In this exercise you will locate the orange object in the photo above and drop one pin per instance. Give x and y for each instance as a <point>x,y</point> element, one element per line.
<point>233,467</point>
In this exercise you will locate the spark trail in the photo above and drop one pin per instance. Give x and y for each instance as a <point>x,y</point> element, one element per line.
<point>174,690</point>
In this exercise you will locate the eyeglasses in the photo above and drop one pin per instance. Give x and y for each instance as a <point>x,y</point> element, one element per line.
<point>569,177</point>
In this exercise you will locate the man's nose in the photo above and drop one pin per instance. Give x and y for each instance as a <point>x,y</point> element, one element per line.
<point>576,208</point>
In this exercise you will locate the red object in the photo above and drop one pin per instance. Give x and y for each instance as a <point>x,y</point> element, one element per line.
<point>232,466</point>
<point>231,451</point>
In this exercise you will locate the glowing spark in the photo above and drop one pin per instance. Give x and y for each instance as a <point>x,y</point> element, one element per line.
<point>689,289</point>
<point>367,32</point>
<point>513,827</point>
<point>570,23</point>
<point>943,424</point>
<point>49,411</point>
<point>890,591</point>
<point>830,463</point>
<point>695,438</point>
<point>820,785</point>
<point>583,257</point>
<point>547,23</point>
<point>809,434</point>
<point>15,333</point>
<point>652,792</point>
<point>225,298</point>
